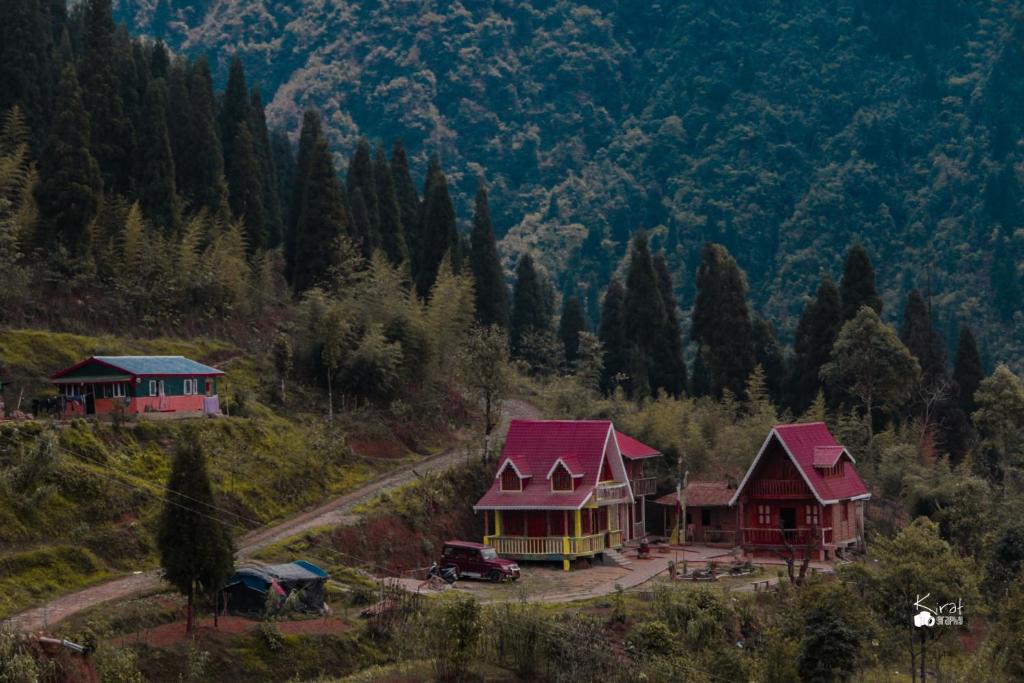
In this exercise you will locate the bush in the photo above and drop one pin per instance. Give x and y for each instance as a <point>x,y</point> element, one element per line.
<point>651,638</point>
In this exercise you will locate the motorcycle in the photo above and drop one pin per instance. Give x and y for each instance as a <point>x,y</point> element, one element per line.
<point>448,574</point>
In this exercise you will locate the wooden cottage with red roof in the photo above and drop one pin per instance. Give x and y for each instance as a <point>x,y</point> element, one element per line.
<point>566,489</point>
<point>801,482</point>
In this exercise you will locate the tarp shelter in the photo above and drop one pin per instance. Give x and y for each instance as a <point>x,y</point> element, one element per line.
<point>246,590</point>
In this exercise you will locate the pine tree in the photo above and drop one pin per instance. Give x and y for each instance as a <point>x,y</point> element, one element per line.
<point>768,355</point>
<point>488,274</point>
<point>26,63</point>
<point>612,334</point>
<point>362,188</point>
<point>645,316</point>
<point>273,221</point>
<point>69,179</point>
<point>670,364</point>
<point>858,285</point>
<point>967,370</point>
<point>923,341</point>
<point>721,321</point>
<point>201,164</point>
<point>437,234</point>
<point>309,136</point>
<point>179,116</point>
<point>112,135</point>
<point>234,109</point>
<point>157,190</point>
<point>246,183</point>
<point>570,326</point>
<point>700,383</point>
<point>815,334</point>
<point>389,214</point>
<point>284,175</point>
<point>529,312</point>
<point>408,200</point>
<point>196,550</point>
<point>322,219</point>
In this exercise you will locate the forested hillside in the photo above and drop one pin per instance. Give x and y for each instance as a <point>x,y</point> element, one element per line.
<point>785,131</point>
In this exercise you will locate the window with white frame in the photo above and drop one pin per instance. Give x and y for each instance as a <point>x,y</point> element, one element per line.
<point>117,390</point>
<point>152,387</point>
<point>764,515</point>
<point>190,387</point>
<point>811,515</point>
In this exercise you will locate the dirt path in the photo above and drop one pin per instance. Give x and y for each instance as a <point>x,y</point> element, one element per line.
<point>337,511</point>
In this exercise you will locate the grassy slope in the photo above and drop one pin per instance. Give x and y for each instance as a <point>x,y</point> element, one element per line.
<point>83,510</point>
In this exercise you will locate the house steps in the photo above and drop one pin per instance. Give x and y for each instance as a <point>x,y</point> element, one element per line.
<point>613,556</point>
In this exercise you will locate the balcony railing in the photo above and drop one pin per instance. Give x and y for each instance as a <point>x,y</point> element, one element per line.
<point>715,536</point>
<point>645,486</point>
<point>547,546</point>
<point>611,492</point>
<point>780,488</point>
<point>780,537</point>
<point>615,539</point>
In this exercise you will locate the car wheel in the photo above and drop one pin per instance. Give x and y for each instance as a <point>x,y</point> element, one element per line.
<point>494,576</point>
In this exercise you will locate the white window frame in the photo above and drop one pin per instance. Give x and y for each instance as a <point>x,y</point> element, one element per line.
<point>764,515</point>
<point>188,387</point>
<point>152,387</point>
<point>118,390</point>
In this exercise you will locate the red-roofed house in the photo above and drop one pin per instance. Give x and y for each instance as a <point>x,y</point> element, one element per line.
<point>566,489</point>
<point>801,482</point>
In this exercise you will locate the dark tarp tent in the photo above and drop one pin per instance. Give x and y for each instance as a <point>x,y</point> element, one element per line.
<point>301,584</point>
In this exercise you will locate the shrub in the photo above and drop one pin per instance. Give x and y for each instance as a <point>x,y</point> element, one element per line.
<point>651,638</point>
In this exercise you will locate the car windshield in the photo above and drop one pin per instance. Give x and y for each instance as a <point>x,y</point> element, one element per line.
<point>489,553</point>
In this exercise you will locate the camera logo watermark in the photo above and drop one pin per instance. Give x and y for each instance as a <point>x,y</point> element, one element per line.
<point>940,614</point>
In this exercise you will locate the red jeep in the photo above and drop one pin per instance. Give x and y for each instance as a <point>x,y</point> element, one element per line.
<point>478,561</point>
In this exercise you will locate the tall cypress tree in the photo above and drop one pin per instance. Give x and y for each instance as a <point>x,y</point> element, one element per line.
<point>489,276</point>
<point>26,63</point>
<point>322,218</point>
<point>967,369</point>
<point>918,335</point>
<point>272,216</point>
<point>179,116</point>
<point>408,200</point>
<point>858,285</point>
<point>389,214</point>
<point>529,311</point>
<point>362,196</point>
<point>645,316</point>
<point>157,190</point>
<point>284,175</point>
<point>70,183</point>
<point>247,191</point>
<point>815,334</point>
<point>309,136</point>
<point>111,132</point>
<point>721,321</point>
<point>700,383</point>
<point>569,327</point>
<point>437,235</point>
<point>612,333</point>
<point>201,166</point>
<point>768,354</point>
<point>234,110</point>
<point>670,364</point>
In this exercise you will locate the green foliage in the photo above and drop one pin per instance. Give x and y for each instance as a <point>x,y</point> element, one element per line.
<point>1000,419</point>
<point>815,334</point>
<point>829,649</point>
<point>857,287</point>
<point>437,238</point>
<point>651,639</point>
<point>488,274</point>
<point>452,629</point>
<point>529,310</point>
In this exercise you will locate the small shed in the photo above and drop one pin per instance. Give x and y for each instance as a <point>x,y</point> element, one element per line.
<point>246,590</point>
<point>709,519</point>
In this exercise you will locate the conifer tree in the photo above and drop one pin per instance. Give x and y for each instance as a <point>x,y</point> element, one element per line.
<point>437,234</point>
<point>26,63</point>
<point>815,334</point>
<point>362,189</point>
<point>570,326</point>
<point>645,315</point>
<point>768,355</point>
<point>201,164</point>
<point>246,183</point>
<point>322,218</point>
<point>858,284</point>
<point>529,312</point>
<point>670,364</point>
<point>157,190</point>
<point>612,334</point>
<point>309,136</point>
<point>721,321</point>
<point>284,175</point>
<point>272,217</point>
<point>389,214</point>
<point>967,370</point>
<point>179,116</point>
<point>196,550</point>
<point>112,135</point>
<point>700,383</point>
<point>488,274</point>
<point>234,109</point>
<point>926,345</point>
<point>408,200</point>
<point>69,178</point>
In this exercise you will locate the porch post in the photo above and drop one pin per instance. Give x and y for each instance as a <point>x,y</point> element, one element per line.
<point>565,553</point>
<point>497,522</point>
<point>579,524</point>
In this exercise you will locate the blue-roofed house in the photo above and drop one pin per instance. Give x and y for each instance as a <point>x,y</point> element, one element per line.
<point>138,384</point>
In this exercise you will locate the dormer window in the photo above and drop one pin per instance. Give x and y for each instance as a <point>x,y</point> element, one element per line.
<point>561,479</point>
<point>510,478</point>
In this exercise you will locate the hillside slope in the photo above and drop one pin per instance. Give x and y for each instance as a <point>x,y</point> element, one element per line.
<point>784,130</point>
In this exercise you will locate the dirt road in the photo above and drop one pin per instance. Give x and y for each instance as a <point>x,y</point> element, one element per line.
<point>336,511</point>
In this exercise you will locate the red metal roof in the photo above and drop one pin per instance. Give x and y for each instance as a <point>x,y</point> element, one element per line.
<point>702,494</point>
<point>827,456</point>
<point>633,449</point>
<point>802,442</point>
<point>534,446</point>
